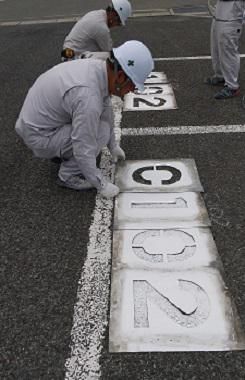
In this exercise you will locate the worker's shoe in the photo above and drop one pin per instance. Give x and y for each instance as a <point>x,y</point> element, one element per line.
<point>75,182</point>
<point>56,160</point>
<point>214,81</point>
<point>227,93</point>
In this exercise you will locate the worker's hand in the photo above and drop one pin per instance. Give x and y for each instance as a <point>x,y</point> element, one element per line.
<point>109,190</point>
<point>117,154</point>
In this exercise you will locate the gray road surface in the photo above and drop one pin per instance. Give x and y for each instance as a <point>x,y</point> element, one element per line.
<point>44,229</point>
<point>35,9</point>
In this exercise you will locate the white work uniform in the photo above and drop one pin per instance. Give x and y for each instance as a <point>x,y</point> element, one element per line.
<point>90,33</point>
<point>68,113</point>
<point>225,35</point>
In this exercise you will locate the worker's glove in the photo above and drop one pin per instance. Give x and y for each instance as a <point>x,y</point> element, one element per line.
<point>109,190</point>
<point>117,154</point>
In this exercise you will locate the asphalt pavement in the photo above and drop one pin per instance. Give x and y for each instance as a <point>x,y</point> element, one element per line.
<point>35,10</point>
<point>44,228</point>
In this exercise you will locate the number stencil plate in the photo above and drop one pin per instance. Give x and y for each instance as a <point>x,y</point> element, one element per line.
<point>157,95</point>
<point>156,78</point>
<point>153,176</point>
<point>159,210</point>
<point>152,311</point>
<point>167,291</point>
<point>164,249</point>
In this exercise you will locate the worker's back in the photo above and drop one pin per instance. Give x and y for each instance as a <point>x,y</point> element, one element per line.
<point>44,104</point>
<point>90,33</point>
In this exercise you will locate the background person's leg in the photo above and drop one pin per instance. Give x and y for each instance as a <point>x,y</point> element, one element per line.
<point>230,57</point>
<point>215,48</point>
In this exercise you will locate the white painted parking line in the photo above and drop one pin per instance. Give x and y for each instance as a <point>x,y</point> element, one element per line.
<point>158,175</point>
<point>183,130</point>
<point>158,210</point>
<point>201,57</point>
<point>37,22</point>
<point>151,12</point>
<point>90,312</point>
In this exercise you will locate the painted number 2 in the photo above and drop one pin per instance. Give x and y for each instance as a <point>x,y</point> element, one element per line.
<point>138,101</point>
<point>184,316</point>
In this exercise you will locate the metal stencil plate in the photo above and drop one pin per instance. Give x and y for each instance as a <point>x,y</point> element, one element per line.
<point>155,97</point>
<point>164,249</point>
<point>156,77</point>
<point>159,210</point>
<point>158,175</point>
<point>180,311</point>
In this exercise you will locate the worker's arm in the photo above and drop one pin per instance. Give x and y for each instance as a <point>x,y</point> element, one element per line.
<point>86,110</point>
<point>108,117</point>
<point>103,38</point>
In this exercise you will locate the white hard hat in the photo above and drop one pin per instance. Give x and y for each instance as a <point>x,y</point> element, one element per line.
<point>123,9</point>
<point>136,61</point>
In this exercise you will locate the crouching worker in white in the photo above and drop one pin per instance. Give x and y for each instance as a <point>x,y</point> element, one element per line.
<point>68,114</point>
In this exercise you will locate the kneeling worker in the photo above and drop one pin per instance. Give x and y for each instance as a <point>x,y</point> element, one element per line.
<point>68,113</point>
<point>92,32</point>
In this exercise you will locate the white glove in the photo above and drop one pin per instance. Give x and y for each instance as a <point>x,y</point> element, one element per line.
<point>109,190</point>
<point>117,154</point>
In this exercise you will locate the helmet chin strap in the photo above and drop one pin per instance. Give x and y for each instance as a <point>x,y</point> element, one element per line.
<point>118,86</point>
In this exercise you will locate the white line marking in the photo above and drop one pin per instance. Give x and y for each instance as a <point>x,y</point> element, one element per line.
<point>37,22</point>
<point>90,311</point>
<point>182,130</point>
<point>137,13</point>
<point>152,12</point>
<point>187,58</point>
<point>182,58</point>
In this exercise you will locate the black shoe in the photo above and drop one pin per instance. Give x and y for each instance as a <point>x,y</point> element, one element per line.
<point>56,160</point>
<point>75,182</point>
<point>214,81</point>
<point>227,93</point>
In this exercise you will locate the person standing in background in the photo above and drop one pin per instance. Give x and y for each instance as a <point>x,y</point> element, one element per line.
<point>226,31</point>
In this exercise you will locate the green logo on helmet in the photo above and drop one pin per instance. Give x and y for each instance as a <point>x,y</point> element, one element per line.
<point>130,63</point>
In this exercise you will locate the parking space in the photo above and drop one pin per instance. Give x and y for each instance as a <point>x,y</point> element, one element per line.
<point>45,230</point>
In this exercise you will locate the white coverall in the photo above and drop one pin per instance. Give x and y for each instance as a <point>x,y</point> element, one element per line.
<point>68,113</point>
<point>90,33</point>
<point>225,35</point>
